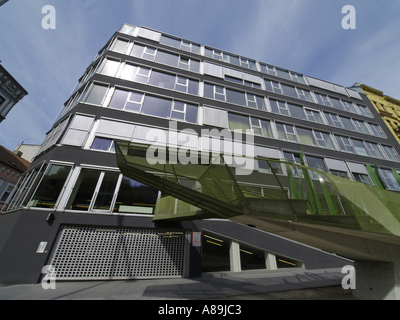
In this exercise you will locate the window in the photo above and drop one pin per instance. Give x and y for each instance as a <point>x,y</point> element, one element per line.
<point>143,52</point>
<point>360,126</point>
<point>120,45</point>
<point>306,136</point>
<point>167,58</point>
<point>236,97</point>
<point>323,140</point>
<point>264,167</point>
<point>261,127</point>
<point>324,100</point>
<point>97,94</point>
<point>296,77</point>
<point>363,178</point>
<point>26,186</point>
<point>347,123</point>
<point>388,179</point>
<point>333,120</point>
<point>103,144</point>
<point>138,74</point>
<point>296,111</point>
<point>127,29</point>
<point>289,91</point>
<point>373,150</point>
<point>365,111</point>
<point>241,81</point>
<point>286,132</point>
<point>134,102</point>
<point>180,44</point>
<point>359,147</point>
<point>313,115</point>
<point>135,197</point>
<point>247,63</point>
<point>336,103</point>
<point>230,58</point>
<point>391,153</point>
<point>341,174</point>
<point>377,130</point>
<point>50,187</point>
<point>105,193</point>
<point>187,85</point>
<point>232,79</point>
<point>279,107</point>
<point>238,122</point>
<point>273,86</point>
<point>345,144</point>
<point>283,73</point>
<point>348,106</point>
<point>94,189</point>
<point>109,67</point>
<point>163,80</point>
<point>214,92</point>
<point>184,112</point>
<point>268,69</point>
<point>155,106</point>
<point>315,163</point>
<point>304,95</point>
<point>255,102</point>
<point>294,158</point>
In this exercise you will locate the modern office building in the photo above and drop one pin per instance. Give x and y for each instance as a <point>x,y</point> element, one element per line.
<point>388,107</point>
<point>75,210</point>
<point>11,92</point>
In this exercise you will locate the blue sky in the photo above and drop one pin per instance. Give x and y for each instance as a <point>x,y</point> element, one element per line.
<point>301,35</point>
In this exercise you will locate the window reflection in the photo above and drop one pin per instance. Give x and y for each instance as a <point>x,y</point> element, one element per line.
<point>50,187</point>
<point>135,197</point>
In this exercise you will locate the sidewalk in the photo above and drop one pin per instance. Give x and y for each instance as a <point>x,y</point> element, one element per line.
<point>284,284</point>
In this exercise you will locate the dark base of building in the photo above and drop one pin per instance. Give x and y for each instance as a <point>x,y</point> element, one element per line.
<point>96,246</point>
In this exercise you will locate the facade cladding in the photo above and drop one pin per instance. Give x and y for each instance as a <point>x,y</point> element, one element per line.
<point>144,79</point>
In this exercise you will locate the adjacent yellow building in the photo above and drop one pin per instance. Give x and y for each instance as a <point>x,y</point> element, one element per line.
<point>388,107</point>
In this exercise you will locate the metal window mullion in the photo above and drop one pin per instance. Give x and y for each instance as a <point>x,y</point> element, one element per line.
<point>96,191</point>
<point>37,186</point>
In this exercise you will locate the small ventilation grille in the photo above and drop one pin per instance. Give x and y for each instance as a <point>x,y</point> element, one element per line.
<point>97,253</point>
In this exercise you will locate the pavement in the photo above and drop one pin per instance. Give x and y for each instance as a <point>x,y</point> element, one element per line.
<point>282,284</point>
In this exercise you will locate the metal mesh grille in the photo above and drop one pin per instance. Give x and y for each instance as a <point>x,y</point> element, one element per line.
<point>95,253</point>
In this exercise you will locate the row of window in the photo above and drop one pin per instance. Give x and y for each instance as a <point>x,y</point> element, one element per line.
<point>149,76</point>
<point>153,106</point>
<point>56,186</point>
<point>154,54</point>
<point>179,83</point>
<point>64,187</point>
<point>332,119</point>
<point>234,59</point>
<point>306,95</point>
<point>312,137</point>
<point>177,110</point>
<point>385,175</point>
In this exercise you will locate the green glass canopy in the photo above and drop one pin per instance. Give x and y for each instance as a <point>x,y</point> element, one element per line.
<point>210,189</point>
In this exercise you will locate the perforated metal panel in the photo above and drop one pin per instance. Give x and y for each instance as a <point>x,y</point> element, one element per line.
<point>97,253</point>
